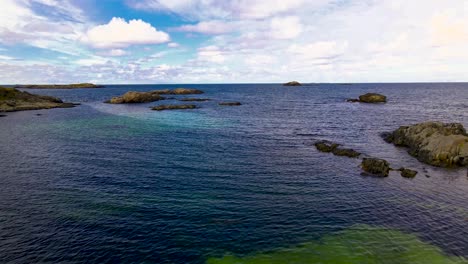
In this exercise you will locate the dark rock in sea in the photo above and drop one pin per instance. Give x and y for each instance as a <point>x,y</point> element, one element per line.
<point>434,143</point>
<point>407,173</point>
<point>38,114</point>
<point>3,115</point>
<point>369,98</point>
<point>194,99</point>
<point>351,153</point>
<point>230,103</point>
<point>173,107</point>
<point>377,167</point>
<point>59,86</point>
<point>12,100</point>
<point>335,149</point>
<point>293,83</point>
<point>325,146</point>
<point>177,91</point>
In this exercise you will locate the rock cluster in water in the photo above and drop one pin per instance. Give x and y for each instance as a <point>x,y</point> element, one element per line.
<point>59,86</point>
<point>377,167</point>
<point>12,100</point>
<point>173,107</point>
<point>293,83</point>
<point>370,98</point>
<point>434,143</point>
<point>133,97</point>
<point>335,149</point>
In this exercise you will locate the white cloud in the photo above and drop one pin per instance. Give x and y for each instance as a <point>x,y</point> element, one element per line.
<point>3,57</point>
<point>286,27</point>
<point>119,34</point>
<point>211,54</point>
<point>212,27</point>
<point>173,45</point>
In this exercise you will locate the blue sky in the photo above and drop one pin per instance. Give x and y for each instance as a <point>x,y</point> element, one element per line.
<point>214,41</point>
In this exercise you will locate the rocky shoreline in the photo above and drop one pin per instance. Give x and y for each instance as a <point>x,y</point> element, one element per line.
<point>12,100</point>
<point>133,97</point>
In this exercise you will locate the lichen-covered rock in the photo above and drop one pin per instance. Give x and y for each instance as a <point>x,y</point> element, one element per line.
<point>377,167</point>
<point>172,107</point>
<point>230,103</point>
<point>434,143</point>
<point>12,100</point>
<point>293,83</point>
<point>407,173</point>
<point>370,98</point>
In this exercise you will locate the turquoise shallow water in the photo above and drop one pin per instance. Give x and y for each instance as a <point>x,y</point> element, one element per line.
<point>106,183</point>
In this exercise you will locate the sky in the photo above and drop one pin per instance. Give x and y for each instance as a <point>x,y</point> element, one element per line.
<point>238,41</point>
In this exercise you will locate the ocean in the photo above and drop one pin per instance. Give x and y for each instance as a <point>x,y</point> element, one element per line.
<point>102,183</point>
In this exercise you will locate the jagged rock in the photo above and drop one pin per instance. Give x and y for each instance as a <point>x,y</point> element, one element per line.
<point>377,167</point>
<point>407,173</point>
<point>12,100</point>
<point>351,153</point>
<point>370,98</point>
<point>172,107</point>
<point>325,146</point>
<point>230,103</point>
<point>293,83</point>
<point>434,143</point>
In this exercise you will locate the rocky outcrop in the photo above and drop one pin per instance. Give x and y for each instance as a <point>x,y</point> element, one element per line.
<point>59,86</point>
<point>229,103</point>
<point>12,100</point>
<point>335,149</point>
<point>407,173</point>
<point>371,98</point>
<point>172,107</point>
<point>434,143</point>
<point>133,97</point>
<point>293,83</point>
<point>377,167</point>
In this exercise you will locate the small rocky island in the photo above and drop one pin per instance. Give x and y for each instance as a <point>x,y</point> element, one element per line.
<point>12,100</point>
<point>370,98</point>
<point>133,97</point>
<point>293,83</point>
<point>435,143</point>
<point>173,107</point>
<point>60,86</point>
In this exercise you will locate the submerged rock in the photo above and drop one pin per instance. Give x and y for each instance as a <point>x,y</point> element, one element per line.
<point>230,103</point>
<point>293,83</point>
<point>351,153</point>
<point>194,99</point>
<point>12,100</point>
<point>374,166</point>
<point>325,146</point>
<point>434,143</point>
<point>186,91</point>
<point>172,107</point>
<point>370,98</point>
<point>407,173</point>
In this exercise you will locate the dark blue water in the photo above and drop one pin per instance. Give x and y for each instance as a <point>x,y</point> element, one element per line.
<point>106,183</point>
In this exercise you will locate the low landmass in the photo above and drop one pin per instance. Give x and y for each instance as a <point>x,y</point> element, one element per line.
<point>12,100</point>
<point>59,86</point>
<point>293,83</point>
<point>230,103</point>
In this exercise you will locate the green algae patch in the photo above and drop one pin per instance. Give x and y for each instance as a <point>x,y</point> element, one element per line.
<point>356,245</point>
